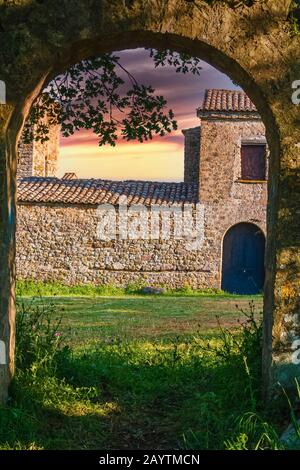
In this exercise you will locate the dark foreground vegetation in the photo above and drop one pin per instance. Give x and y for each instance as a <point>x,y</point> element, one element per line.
<point>140,372</point>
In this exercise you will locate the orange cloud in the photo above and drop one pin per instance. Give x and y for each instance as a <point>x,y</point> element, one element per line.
<point>149,161</point>
<point>161,158</point>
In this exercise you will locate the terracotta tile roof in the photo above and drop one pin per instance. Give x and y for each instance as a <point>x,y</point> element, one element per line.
<point>226,101</point>
<point>97,191</point>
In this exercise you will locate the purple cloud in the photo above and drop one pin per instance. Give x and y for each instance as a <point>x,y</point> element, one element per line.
<point>183,92</point>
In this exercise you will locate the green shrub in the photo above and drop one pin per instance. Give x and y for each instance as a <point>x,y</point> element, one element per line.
<point>254,433</point>
<point>38,337</point>
<point>32,288</point>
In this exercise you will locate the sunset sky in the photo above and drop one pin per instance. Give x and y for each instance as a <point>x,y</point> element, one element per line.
<point>162,158</point>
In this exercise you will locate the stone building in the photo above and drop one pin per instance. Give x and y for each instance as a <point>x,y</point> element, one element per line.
<point>210,229</point>
<point>39,159</point>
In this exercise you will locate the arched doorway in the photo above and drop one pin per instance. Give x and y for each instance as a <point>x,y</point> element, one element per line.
<point>243,267</point>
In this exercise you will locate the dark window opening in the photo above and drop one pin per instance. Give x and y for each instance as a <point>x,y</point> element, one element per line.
<point>253,163</point>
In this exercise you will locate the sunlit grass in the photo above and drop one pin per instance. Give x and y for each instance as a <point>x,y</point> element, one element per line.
<point>142,372</point>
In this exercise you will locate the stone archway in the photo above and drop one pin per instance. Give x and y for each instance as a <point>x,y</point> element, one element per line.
<point>253,45</point>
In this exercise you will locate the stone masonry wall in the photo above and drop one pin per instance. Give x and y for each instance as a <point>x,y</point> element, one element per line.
<point>25,159</point>
<point>56,242</point>
<point>220,164</point>
<point>45,155</point>
<point>191,154</point>
<point>60,242</point>
<point>37,158</point>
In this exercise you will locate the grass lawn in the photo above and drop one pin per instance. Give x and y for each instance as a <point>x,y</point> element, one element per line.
<point>135,372</point>
<point>146,318</point>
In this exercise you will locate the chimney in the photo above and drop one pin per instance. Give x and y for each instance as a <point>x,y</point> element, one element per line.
<point>191,154</point>
<point>70,176</point>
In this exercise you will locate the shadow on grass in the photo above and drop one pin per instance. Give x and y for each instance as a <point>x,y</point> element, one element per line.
<point>135,395</point>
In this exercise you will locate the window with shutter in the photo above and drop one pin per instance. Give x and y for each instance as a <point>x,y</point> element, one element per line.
<point>253,162</point>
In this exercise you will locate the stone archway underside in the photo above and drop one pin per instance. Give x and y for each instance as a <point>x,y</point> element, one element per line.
<point>253,45</point>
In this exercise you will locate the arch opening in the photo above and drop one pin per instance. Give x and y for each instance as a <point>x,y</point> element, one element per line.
<point>125,31</point>
<point>189,270</point>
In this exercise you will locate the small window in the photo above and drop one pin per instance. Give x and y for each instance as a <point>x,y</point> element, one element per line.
<point>253,162</point>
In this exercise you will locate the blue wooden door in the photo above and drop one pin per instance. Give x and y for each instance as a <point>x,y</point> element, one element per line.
<point>243,270</point>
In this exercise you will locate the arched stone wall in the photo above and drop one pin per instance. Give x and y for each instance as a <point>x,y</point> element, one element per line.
<point>253,45</point>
